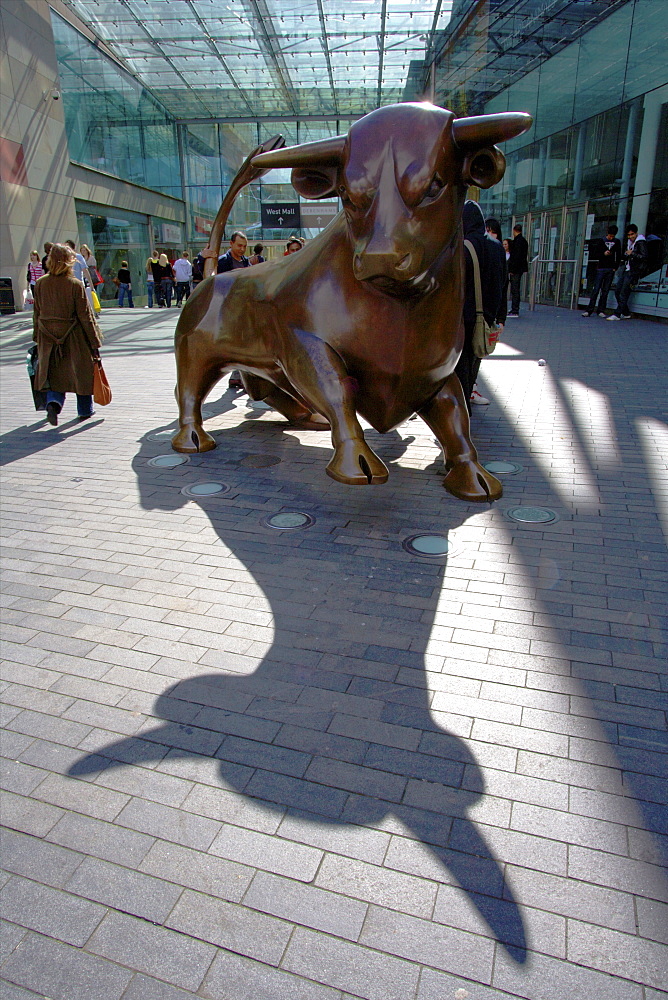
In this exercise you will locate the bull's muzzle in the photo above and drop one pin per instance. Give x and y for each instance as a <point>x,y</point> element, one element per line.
<point>396,267</point>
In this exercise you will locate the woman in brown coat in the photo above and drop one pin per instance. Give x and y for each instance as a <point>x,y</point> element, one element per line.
<point>67,336</point>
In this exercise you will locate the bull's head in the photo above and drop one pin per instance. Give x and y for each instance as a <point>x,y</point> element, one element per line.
<point>401,174</point>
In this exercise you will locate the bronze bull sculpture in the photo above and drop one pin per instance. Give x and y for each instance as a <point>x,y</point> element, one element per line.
<point>368,317</point>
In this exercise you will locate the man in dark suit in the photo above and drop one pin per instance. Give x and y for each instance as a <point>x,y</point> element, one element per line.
<point>518,264</point>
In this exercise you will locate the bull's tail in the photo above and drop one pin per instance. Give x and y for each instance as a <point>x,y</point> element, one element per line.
<point>245,175</point>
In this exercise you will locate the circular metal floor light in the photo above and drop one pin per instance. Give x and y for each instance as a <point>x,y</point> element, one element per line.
<point>428,546</point>
<point>499,468</point>
<point>532,515</point>
<point>286,519</point>
<point>259,461</point>
<point>205,489</point>
<point>168,461</point>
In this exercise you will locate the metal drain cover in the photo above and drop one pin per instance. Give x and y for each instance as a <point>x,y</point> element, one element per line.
<point>503,468</point>
<point>259,461</point>
<point>427,545</point>
<point>204,489</point>
<point>532,515</point>
<point>286,519</point>
<point>168,461</point>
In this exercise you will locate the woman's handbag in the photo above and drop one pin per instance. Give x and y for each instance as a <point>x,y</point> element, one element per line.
<point>101,388</point>
<point>485,335</point>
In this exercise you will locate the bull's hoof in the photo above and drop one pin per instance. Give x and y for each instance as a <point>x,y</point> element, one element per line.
<point>354,464</point>
<point>313,422</point>
<point>191,439</point>
<point>469,481</point>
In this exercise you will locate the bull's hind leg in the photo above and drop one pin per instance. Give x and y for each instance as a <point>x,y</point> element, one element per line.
<point>320,375</point>
<point>297,413</point>
<point>448,418</point>
<point>193,385</point>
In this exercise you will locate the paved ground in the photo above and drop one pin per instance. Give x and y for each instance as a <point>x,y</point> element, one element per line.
<point>249,764</point>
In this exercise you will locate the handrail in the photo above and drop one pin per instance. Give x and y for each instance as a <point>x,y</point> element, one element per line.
<point>545,260</point>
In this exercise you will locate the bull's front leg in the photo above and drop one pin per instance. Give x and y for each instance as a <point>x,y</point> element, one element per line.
<point>448,418</point>
<point>320,375</point>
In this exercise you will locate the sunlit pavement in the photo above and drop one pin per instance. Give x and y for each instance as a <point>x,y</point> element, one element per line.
<point>245,763</point>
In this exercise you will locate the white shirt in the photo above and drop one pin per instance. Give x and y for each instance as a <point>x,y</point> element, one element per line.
<point>183,269</point>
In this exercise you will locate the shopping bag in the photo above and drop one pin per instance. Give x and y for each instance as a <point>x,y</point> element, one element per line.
<point>38,395</point>
<point>28,300</point>
<point>101,388</point>
<point>96,302</point>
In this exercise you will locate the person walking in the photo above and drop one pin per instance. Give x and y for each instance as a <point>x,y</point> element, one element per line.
<point>125,285</point>
<point>35,271</point>
<point>67,336</point>
<point>183,272</point>
<point>608,256</point>
<point>518,265</point>
<point>491,260</point>
<point>635,258</point>
<point>47,251</point>
<point>164,276</point>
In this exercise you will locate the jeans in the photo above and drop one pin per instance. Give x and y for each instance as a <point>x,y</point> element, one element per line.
<point>622,292</point>
<point>602,283</point>
<point>84,403</point>
<point>515,281</point>
<point>182,290</point>
<point>166,291</point>
<point>123,290</point>
<point>150,285</point>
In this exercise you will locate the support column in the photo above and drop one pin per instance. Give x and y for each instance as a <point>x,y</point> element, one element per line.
<point>647,155</point>
<point>627,169</point>
<point>579,161</point>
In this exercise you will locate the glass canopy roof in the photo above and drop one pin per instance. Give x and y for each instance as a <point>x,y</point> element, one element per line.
<point>252,59</point>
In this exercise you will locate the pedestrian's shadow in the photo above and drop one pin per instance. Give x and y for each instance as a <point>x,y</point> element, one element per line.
<point>334,725</point>
<point>33,438</point>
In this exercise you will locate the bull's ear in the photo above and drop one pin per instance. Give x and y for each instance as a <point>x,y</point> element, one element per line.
<point>484,167</point>
<point>314,182</point>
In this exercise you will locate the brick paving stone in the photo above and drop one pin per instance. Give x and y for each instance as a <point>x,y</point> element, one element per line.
<point>235,928</point>
<point>49,911</point>
<point>123,889</point>
<point>233,977</point>
<point>366,973</point>
<point>180,960</point>
<point>344,718</point>
<point>61,972</point>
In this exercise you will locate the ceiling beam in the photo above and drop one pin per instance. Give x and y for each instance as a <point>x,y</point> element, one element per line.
<point>214,49</point>
<point>159,48</point>
<point>381,50</point>
<point>266,35</point>
<point>325,46</point>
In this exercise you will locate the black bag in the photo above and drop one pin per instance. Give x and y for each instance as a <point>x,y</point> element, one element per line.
<point>38,395</point>
<point>654,260</point>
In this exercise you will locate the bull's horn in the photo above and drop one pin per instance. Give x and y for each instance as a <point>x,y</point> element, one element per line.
<point>486,130</point>
<point>323,153</point>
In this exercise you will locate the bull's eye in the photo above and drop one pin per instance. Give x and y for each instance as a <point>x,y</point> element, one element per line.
<point>433,190</point>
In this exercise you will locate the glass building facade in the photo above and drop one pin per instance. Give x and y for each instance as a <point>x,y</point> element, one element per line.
<point>172,112</point>
<point>596,154</point>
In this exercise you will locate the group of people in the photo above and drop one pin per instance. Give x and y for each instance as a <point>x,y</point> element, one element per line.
<point>630,265</point>
<point>85,266</point>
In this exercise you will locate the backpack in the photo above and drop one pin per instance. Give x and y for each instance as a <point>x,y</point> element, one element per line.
<point>654,260</point>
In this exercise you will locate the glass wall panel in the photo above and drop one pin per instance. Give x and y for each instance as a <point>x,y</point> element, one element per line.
<point>114,236</point>
<point>112,122</point>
